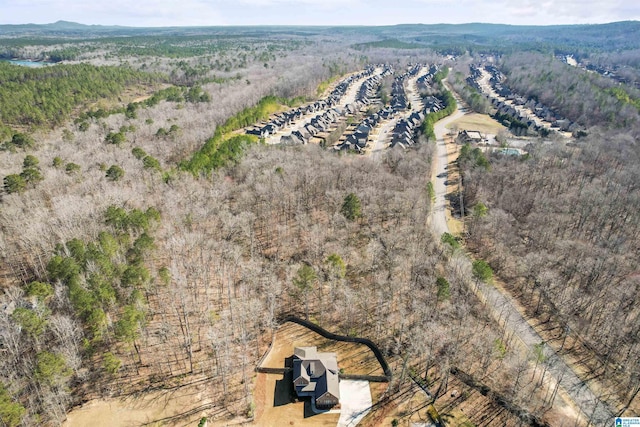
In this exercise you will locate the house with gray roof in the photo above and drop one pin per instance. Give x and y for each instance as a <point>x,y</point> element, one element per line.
<point>316,375</point>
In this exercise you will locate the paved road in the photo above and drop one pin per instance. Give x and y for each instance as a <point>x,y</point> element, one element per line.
<point>503,307</point>
<point>381,139</point>
<point>439,215</point>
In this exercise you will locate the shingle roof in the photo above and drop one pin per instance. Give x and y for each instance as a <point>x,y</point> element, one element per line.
<point>319,369</point>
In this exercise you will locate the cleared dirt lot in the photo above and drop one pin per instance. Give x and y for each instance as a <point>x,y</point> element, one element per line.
<point>168,408</point>
<point>275,405</point>
<point>273,393</point>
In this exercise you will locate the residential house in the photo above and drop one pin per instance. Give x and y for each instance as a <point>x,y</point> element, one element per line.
<point>315,375</point>
<point>470,137</point>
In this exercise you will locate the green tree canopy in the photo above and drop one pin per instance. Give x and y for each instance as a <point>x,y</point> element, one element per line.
<point>128,327</point>
<point>450,240</point>
<point>304,280</point>
<point>71,168</point>
<point>30,161</point>
<point>480,210</point>
<point>111,363</point>
<point>351,208</point>
<point>39,290</point>
<point>11,412</point>
<point>444,291</point>
<point>481,270</point>
<point>22,140</point>
<point>337,265</point>
<point>114,173</point>
<point>138,153</point>
<point>305,277</point>
<point>14,183</point>
<point>30,321</point>
<point>116,138</point>
<point>31,175</point>
<point>51,368</point>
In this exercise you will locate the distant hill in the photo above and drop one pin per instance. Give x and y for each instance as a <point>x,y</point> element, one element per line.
<point>603,37</point>
<point>56,28</point>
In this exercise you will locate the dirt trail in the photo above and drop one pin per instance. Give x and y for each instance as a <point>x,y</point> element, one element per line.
<point>504,309</point>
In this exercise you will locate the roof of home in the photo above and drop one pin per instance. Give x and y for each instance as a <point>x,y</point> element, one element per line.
<point>318,371</point>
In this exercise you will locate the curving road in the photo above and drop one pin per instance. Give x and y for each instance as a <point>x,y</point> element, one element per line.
<point>504,309</point>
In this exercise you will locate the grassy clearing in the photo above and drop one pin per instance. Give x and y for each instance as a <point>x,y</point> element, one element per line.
<point>474,121</point>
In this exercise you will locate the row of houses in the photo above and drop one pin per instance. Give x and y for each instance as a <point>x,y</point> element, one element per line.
<point>325,121</point>
<point>357,141</point>
<point>538,109</point>
<point>399,100</point>
<point>282,120</point>
<point>432,104</point>
<point>474,76</point>
<point>424,82</point>
<point>320,123</point>
<point>398,96</point>
<point>404,131</point>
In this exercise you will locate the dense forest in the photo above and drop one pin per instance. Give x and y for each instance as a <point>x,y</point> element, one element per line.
<point>147,241</point>
<point>37,97</point>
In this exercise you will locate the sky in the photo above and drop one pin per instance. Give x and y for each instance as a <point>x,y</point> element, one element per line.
<point>156,13</point>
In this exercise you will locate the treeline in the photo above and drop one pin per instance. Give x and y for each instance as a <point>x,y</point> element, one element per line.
<point>471,95</point>
<point>223,146</point>
<point>388,43</point>
<point>36,97</point>
<point>192,94</point>
<point>448,100</point>
<point>183,46</point>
